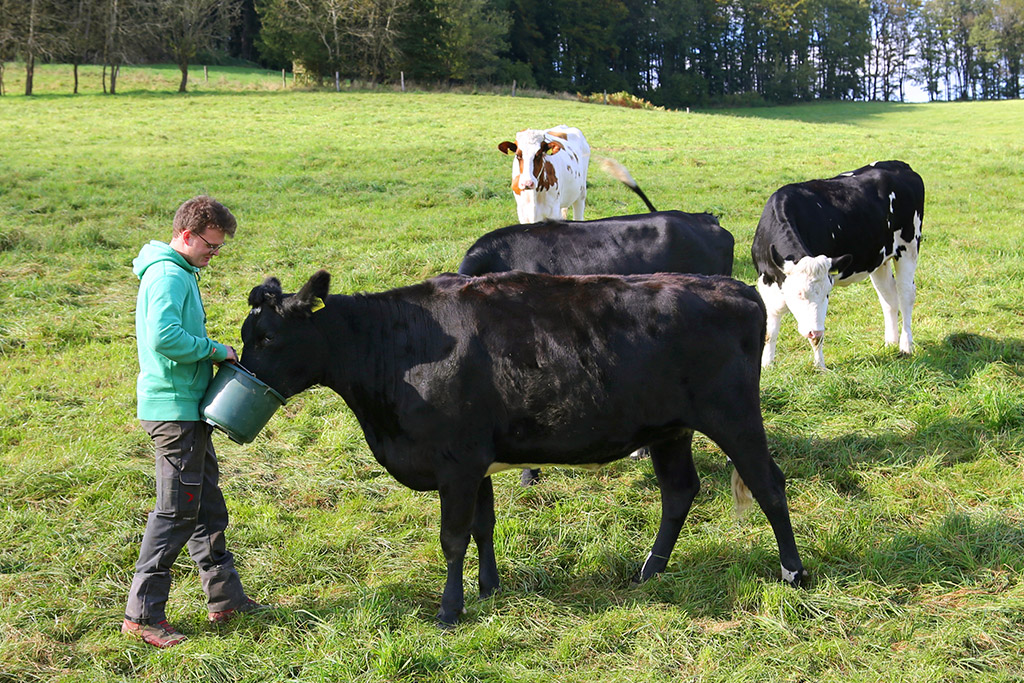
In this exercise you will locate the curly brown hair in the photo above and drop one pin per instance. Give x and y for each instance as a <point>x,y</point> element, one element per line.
<point>201,213</point>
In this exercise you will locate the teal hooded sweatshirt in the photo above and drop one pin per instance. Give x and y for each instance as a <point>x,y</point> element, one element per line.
<point>175,355</point>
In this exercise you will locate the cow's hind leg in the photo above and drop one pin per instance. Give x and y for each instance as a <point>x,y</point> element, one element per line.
<point>747,447</point>
<point>906,289</point>
<point>885,285</point>
<point>483,534</point>
<point>677,479</point>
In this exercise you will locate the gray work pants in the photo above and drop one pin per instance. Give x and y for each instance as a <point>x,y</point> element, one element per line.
<point>189,510</point>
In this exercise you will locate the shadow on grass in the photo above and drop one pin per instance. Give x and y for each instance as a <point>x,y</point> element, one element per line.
<point>818,112</point>
<point>986,374</point>
<point>963,354</point>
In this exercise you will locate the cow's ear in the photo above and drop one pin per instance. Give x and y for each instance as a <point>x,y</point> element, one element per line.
<point>773,253</point>
<point>841,263</point>
<point>553,147</point>
<point>311,297</point>
<point>269,293</point>
<point>507,147</point>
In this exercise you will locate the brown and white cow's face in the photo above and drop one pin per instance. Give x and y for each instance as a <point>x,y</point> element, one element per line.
<point>531,169</point>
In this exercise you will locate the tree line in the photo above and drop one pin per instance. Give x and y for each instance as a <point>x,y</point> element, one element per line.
<point>674,53</point>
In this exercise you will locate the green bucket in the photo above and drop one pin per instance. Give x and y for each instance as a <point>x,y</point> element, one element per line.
<point>238,404</point>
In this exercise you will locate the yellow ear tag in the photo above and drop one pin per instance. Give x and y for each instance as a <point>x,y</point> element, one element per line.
<point>318,303</point>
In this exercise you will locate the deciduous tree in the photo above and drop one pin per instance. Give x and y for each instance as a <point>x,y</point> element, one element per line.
<point>187,27</point>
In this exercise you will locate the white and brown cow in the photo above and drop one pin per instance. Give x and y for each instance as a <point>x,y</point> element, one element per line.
<point>853,225</point>
<point>549,173</point>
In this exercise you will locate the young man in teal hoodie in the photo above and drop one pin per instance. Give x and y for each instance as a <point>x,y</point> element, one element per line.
<point>176,361</point>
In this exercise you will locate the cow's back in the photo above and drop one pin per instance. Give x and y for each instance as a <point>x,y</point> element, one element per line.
<point>857,213</point>
<point>585,369</point>
<point>664,241</point>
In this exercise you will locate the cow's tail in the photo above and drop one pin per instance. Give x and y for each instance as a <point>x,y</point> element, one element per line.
<point>619,172</point>
<point>741,496</point>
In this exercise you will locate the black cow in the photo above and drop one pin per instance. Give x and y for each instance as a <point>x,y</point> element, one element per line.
<point>853,225</point>
<point>457,378</point>
<point>656,242</point>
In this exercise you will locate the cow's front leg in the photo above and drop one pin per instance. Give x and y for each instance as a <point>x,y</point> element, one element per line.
<point>906,291</point>
<point>775,306</point>
<point>578,207</point>
<point>818,352</point>
<point>483,534</point>
<point>458,502</point>
<point>526,206</point>
<point>677,479</point>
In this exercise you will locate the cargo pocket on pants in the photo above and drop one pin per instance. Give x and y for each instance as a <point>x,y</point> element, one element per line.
<point>181,476</point>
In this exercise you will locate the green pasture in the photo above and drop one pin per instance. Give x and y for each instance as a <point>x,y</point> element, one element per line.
<point>905,475</point>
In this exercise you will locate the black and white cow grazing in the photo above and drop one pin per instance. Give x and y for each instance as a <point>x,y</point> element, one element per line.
<point>852,225</point>
<point>457,378</point>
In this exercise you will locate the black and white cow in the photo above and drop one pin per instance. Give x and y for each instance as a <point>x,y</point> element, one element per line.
<point>656,242</point>
<point>457,378</point>
<point>852,225</point>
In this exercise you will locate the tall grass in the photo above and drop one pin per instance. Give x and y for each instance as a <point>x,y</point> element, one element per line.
<point>904,474</point>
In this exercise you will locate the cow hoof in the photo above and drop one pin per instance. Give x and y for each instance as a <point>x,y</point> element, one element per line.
<point>529,477</point>
<point>797,579</point>
<point>447,621</point>
<point>640,453</point>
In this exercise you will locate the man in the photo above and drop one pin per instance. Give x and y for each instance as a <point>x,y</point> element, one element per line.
<point>176,361</point>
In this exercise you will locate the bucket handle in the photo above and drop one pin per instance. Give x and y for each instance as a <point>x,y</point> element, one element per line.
<point>237,364</point>
<point>250,372</point>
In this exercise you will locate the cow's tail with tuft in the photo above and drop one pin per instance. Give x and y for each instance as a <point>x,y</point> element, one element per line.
<point>620,173</point>
<point>741,496</point>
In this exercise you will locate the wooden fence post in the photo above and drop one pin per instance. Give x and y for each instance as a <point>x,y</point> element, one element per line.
<point>206,74</point>
<point>337,82</point>
<point>513,87</point>
<point>401,76</point>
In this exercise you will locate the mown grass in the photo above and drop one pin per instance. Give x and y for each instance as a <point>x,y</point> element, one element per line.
<point>904,473</point>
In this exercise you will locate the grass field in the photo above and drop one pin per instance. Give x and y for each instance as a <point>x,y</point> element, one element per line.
<point>905,475</point>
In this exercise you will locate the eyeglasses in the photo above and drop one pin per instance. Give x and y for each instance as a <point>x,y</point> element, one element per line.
<point>214,248</point>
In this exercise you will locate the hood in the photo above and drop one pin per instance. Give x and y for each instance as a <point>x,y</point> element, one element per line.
<point>155,252</point>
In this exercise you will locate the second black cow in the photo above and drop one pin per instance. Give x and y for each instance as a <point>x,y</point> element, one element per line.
<point>457,378</point>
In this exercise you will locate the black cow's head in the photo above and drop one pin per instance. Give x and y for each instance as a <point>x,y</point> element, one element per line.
<point>282,344</point>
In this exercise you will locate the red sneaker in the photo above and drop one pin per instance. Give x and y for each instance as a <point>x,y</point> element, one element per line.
<point>227,615</point>
<point>160,634</point>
